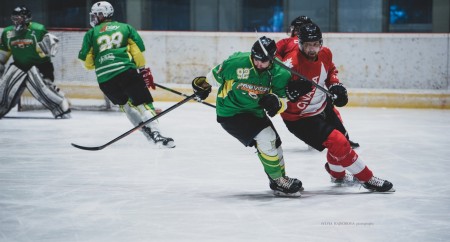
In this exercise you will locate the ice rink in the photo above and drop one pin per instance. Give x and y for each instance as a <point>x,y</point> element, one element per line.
<point>210,187</point>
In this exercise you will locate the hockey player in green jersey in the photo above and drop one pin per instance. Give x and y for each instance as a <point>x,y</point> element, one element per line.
<point>251,86</point>
<point>31,48</point>
<point>114,50</point>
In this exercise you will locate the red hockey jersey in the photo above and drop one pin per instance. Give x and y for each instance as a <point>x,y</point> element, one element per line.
<point>322,71</point>
<point>286,46</point>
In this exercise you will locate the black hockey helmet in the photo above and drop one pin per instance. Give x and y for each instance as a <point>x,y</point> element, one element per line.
<point>310,32</point>
<point>269,45</point>
<point>297,23</point>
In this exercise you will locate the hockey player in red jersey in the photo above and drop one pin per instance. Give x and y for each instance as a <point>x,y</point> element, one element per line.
<point>288,45</point>
<point>311,117</point>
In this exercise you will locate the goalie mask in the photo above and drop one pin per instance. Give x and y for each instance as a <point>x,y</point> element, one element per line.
<point>100,12</point>
<point>21,17</point>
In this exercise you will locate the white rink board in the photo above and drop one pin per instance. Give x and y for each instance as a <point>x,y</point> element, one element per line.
<point>382,61</point>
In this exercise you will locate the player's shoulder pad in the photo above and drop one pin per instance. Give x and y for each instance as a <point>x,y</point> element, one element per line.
<point>37,26</point>
<point>326,53</point>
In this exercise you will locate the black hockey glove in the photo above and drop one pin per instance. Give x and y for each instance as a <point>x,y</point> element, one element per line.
<point>341,94</point>
<point>201,87</point>
<point>271,103</point>
<point>296,89</point>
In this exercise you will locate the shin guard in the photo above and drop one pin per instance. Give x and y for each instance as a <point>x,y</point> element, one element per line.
<point>139,114</point>
<point>268,153</point>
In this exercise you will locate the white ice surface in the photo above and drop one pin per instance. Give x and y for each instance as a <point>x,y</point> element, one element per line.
<point>210,187</point>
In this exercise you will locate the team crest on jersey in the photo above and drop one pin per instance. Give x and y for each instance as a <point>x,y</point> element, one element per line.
<point>288,63</point>
<point>108,57</point>
<point>21,43</point>
<point>252,90</point>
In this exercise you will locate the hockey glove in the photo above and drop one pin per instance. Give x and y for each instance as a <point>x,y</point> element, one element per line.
<point>201,87</point>
<point>341,94</point>
<point>146,74</point>
<point>296,89</point>
<point>271,103</point>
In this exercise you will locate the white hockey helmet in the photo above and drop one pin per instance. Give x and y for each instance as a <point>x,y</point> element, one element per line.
<point>99,12</point>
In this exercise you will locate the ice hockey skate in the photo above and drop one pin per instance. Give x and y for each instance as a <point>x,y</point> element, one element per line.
<point>354,145</point>
<point>347,180</point>
<point>64,115</point>
<point>378,185</point>
<point>158,139</point>
<point>286,186</point>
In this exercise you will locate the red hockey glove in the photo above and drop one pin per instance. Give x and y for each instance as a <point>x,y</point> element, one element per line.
<point>146,74</point>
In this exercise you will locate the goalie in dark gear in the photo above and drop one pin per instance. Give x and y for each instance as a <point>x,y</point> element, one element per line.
<point>31,48</point>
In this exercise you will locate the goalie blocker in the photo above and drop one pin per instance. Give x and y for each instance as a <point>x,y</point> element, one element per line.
<point>13,83</point>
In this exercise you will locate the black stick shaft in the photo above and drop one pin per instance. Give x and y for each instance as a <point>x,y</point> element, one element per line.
<point>184,95</point>
<point>282,65</point>
<point>95,148</point>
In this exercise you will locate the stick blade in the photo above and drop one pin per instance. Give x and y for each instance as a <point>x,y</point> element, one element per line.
<point>95,148</point>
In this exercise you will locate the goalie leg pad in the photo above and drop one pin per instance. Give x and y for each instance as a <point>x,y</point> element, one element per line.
<point>48,96</point>
<point>12,85</point>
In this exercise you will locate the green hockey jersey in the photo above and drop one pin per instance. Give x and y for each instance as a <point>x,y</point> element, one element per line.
<point>22,45</point>
<point>112,48</point>
<point>242,86</point>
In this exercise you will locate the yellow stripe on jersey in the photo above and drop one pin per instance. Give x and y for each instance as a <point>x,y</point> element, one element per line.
<point>226,88</point>
<point>136,53</point>
<point>89,62</point>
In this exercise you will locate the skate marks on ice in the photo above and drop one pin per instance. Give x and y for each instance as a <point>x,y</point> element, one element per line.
<point>338,191</point>
<point>308,193</point>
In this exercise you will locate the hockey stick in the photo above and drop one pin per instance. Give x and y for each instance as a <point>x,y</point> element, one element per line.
<point>95,148</point>
<point>184,95</point>
<point>282,65</point>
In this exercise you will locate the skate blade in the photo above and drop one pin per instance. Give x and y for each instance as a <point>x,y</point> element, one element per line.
<point>169,145</point>
<point>282,194</point>
<point>388,191</point>
<point>391,190</point>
